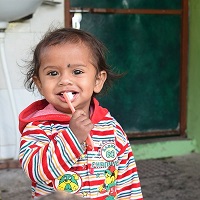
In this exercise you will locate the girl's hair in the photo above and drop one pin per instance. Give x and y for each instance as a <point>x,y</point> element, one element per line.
<point>69,35</point>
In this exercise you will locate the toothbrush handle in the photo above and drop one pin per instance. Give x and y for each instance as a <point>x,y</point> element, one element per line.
<point>69,102</point>
<point>89,141</point>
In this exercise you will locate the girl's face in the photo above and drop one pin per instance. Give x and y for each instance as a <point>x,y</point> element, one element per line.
<point>68,68</point>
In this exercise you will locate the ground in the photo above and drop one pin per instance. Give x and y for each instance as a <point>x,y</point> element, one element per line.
<point>176,178</point>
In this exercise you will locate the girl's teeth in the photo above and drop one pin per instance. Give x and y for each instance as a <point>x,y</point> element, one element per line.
<point>70,95</point>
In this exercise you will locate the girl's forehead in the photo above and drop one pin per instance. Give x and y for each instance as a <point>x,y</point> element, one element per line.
<point>69,48</point>
<point>81,45</point>
<point>69,45</point>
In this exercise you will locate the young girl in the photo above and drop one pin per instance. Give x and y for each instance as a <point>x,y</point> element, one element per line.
<point>53,149</point>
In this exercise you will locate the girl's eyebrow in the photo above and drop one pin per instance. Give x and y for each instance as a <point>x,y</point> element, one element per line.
<point>51,67</point>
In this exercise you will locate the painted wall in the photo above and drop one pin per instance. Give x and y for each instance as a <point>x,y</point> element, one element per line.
<point>19,39</point>
<point>193,116</point>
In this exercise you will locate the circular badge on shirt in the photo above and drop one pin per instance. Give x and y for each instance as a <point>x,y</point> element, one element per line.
<point>70,182</point>
<point>108,152</point>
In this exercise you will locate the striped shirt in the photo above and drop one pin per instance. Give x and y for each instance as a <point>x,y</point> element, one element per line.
<point>53,159</point>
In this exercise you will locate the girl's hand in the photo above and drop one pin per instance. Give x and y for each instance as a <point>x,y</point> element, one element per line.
<point>80,125</point>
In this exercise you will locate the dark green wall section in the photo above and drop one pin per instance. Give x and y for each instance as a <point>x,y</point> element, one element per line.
<point>137,4</point>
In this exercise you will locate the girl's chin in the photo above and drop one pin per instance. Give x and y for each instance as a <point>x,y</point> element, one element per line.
<point>66,111</point>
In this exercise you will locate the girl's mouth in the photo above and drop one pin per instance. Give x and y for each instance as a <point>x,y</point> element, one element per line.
<point>70,94</point>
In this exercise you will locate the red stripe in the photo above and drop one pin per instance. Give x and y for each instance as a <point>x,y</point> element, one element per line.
<point>130,187</point>
<point>45,164</point>
<point>96,182</point>
<point>33,132</point>
<point>120,128</point>
<point>129,155</point>
<point>127,173</point>
<point>22,142</point>
<point>103,132</point>
<point>30,166</point>
<point>37,194</point>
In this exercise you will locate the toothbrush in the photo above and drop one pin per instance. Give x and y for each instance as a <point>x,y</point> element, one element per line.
<point>68,96</point>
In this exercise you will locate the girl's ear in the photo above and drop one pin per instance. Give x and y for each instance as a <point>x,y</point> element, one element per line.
<point>38,84</point>
<point>100,80</point>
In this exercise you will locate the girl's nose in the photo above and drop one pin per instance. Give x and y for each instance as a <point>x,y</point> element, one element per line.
<point>65,80</point>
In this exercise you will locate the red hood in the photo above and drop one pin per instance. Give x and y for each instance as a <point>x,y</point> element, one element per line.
<point>29,114</point>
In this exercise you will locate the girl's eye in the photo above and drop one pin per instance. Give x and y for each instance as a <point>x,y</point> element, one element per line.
<point>77,72</point>
<point>53,73</point>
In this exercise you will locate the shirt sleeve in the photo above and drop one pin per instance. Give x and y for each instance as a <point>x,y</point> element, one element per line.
<point>44,156</point>
<point>128,183</point>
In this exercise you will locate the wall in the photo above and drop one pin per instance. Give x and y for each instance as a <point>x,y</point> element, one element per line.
<point>19,39</point>
<point>193,119</point>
